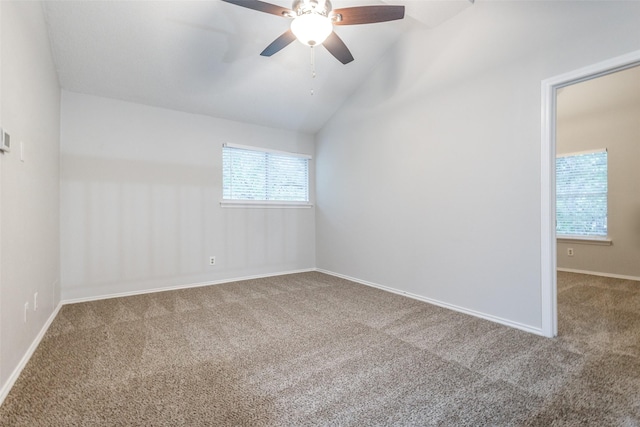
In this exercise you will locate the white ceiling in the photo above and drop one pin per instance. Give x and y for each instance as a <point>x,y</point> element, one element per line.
<point>204,57</point>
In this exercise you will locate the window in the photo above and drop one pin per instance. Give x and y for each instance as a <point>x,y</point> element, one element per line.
<point>255,175</point>
<point>581,194</point>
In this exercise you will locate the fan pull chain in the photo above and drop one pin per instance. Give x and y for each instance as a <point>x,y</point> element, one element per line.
<point>313,68</point>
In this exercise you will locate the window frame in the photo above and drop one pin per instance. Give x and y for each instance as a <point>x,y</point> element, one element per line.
<point>246,203</point>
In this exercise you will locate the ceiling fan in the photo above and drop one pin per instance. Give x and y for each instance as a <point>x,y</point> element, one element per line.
<point>313,22</point>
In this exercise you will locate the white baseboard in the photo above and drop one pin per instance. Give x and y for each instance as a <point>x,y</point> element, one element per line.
<point>506,322</point>
<point>596,273</point>
<point>6,387</point>
<point>178,287</point>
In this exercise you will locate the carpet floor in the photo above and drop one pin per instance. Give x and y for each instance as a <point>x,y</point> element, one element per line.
<point>312,349</point>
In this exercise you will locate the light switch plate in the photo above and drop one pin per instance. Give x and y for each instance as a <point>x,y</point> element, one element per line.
<point>5,143</point>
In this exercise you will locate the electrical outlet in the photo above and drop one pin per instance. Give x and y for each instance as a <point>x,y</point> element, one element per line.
<point>26,310</point>
<point>570,251</point>
<point>212,260</point>
<point>35,301</point>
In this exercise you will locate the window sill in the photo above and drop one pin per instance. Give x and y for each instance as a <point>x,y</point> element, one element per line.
<point>264,204</point>
<point>587,240</point>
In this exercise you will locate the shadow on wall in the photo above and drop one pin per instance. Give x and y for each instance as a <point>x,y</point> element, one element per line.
<point>155,224</point>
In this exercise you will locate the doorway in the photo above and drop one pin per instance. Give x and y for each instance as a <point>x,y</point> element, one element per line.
<point>549,94</point>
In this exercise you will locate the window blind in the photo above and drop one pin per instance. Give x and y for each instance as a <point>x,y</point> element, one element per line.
<point>581,194</point>
<point>261,175</point>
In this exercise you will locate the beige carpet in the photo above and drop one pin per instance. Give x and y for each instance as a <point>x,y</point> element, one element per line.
<point>311,349</point>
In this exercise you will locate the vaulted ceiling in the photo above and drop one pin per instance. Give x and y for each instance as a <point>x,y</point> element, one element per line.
<point>203,57</point>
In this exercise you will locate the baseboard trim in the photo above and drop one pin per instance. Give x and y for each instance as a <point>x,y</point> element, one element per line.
<point>597,273</point>
<point>6,387</point>
<point>506,322</point>
<point>178,287</point>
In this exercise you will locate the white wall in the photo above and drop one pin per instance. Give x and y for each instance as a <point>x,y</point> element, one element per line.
<point>29,190</point>
<point>140,201</point>
<point>429,177</point>
<point>613,122</point>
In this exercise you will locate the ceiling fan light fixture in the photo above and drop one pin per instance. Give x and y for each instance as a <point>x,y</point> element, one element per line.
<point>311,28</point>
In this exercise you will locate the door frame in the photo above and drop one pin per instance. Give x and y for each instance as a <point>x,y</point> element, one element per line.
<point>548,246</point>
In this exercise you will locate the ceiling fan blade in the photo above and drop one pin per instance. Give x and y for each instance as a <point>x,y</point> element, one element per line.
<point>337,48</point>
<point>278,44</point>
<point>263,7</point>
<point>367,14</point>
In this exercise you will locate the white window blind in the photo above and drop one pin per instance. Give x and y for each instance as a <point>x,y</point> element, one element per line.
<point>581,194</point>
<point>254,174</point>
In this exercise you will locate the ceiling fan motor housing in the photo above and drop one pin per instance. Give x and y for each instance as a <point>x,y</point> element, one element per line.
<point>320,7</point>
